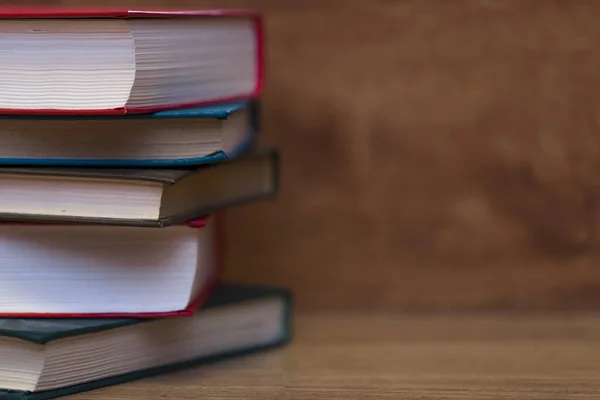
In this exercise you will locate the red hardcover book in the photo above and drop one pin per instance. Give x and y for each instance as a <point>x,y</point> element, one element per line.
<point>119,61</point>
<point>97,259</point>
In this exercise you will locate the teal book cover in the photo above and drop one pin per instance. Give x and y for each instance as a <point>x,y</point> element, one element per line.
<point>49,358</point>
<point>179,138</point>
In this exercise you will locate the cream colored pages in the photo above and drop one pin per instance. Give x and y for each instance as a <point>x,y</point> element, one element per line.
<point>100,269</point>
<point>65,64</point>
<point>94,64</point>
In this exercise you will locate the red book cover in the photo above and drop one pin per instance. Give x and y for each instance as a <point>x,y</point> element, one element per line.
<point>196,303</point>
<point>33,12</point>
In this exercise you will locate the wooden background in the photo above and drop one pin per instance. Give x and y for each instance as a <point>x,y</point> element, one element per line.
<point>436,154</point>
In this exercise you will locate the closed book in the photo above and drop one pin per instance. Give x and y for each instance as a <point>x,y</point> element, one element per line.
<point>78,270</point>
<point>117,61</point>
<point>48,358</point>
<point>135,197</point>
<point>174,138</point>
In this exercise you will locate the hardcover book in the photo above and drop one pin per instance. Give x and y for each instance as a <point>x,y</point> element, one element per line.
<point>135,197</point>
<point>72,270</point>
<point>48,358</point>
<point>117,61</point>
<point>184,137</point>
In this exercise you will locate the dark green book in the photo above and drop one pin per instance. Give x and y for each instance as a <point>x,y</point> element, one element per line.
<point>134,196</point>
<point>48,358</point>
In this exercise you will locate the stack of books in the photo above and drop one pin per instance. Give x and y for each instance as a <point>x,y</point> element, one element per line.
<point>124,137</point>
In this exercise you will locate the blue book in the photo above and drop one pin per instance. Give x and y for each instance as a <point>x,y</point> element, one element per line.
<point>46,358</point>
<point>174,138</point>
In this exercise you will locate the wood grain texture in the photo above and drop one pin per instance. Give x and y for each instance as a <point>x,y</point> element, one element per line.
<point>362,356</point>
<point>436,154</point>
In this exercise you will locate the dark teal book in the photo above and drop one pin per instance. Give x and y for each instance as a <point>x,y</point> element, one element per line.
<point>174,138</point>
<point>48,358</point>
<point>136,196</point>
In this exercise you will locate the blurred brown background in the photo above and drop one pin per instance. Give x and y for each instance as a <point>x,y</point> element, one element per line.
<point>436,154</point>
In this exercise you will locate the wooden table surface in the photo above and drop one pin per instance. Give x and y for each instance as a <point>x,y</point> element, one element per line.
<point>364,356</point>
